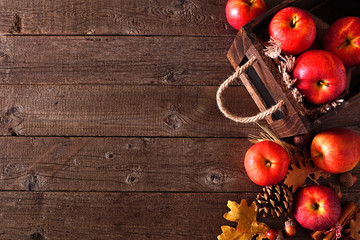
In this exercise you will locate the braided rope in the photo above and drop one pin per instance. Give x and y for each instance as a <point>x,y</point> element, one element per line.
<point>235,118</point>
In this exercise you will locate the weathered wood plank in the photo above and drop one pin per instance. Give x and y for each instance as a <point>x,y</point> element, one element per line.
<point>125,17</point>
<point>126,164</point>
<point>341,116</point>
<point>114,60</point>
<point>133,17</point>
<point>105,110</point>
<point>121,215</point>
<point>116,110</point>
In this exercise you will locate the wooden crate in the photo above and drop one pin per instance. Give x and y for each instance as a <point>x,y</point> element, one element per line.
<point>263,79</point>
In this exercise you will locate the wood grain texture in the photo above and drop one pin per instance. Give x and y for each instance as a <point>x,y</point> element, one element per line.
<point>56,215</point>
<point>129,17</point>
<point>114,60</point>
<point>105,110</point>
<point>115,110</point>
<point>113,17</point>
<point>336,118</point>
<point>115,129</point>
<point>126,164</point>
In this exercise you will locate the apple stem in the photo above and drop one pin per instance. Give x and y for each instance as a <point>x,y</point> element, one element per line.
<point>293,23</point>
<point>315,205</point>
<point>250,2</point>
<point>323,83</point>
<point>347,42</point>
<point>268,164</point>
<point>319,155</point>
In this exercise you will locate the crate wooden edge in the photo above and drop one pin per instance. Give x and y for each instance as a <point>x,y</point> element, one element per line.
<point>345,115</point>
<point>249,46</point>
<point>291,124</point>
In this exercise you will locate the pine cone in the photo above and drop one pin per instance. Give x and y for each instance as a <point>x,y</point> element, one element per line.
<point>276,200</point>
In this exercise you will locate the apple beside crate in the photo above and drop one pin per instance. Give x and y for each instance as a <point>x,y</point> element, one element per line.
<point>264,81</point>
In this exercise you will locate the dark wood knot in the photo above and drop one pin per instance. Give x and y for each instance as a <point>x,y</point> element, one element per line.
<point>173,121</point>
<point>37,236</point>
<point>215,177</point>
<point>30,182</point>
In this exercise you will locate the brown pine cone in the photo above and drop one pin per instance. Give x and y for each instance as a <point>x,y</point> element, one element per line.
<point>275,200</point>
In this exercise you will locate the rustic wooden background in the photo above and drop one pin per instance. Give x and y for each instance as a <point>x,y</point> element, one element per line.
<point>109,125</point>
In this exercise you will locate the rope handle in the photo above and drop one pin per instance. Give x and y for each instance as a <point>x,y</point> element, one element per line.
<point>261,115</point>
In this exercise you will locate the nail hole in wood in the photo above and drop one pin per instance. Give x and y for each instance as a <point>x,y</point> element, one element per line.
<point>132,178</point>
<point>109,155</point>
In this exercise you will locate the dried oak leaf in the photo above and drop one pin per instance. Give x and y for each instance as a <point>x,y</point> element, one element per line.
<point>247,227</point>
<point>230,233</point>
<point>355,227</point>
<point>296,176</point>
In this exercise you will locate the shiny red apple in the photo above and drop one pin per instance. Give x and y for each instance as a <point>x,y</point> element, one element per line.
<point>240,12</point>
<point>316,207</point>
<point>320,75</point>
<point>343,39</point>
<point>294,28</point>
<point>266,163</point>
<point>336,150</point>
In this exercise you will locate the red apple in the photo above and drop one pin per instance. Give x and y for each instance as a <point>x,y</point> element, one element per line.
<point>320,75</point>
<point>266,163</point>
<point>317,207</point>
<point>240,12</point>
<point>294,28</point>
<point>343,39</point>
<point>336,150</point>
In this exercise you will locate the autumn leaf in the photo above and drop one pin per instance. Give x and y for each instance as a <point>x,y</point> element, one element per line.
<point>296,176</point>
<point>355,227</point>
<point>247,227</point>
<point>241,213</point>
<point>229,233</point>
<point>259,229</point>
<point>322,174</point>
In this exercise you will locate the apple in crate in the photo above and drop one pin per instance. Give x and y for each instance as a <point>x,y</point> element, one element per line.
<point>320,76</point>
<point>294,28</point>
<point>240,12</point>
<point>336,150</point>
<point>316,207</point>
<point>343,39</point>
<point>266,163</point>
